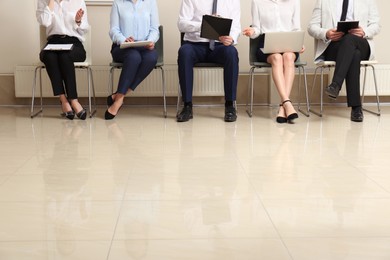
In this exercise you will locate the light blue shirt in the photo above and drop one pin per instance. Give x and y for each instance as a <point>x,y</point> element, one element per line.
<point>138,20</point>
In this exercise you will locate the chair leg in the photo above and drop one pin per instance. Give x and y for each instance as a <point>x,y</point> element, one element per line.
<point>376,90</point>
<point>321,90</point>
<point>32,114</point>
<point>111,81</point>
<point>91,87</point>
<point>307,113</point>
<point>250,92</point>
<point>164,90</point>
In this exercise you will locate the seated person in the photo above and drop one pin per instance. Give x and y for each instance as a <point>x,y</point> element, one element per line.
<point>196,49</point>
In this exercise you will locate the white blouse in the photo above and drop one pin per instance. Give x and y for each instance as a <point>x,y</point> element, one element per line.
<point>62,20</point>
<point>275,16</point>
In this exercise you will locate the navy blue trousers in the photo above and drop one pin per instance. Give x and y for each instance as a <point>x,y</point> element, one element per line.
<point>137,65</point>
<point>191,53</point>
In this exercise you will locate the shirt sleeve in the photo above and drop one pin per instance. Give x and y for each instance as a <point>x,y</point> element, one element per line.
<point>255,20</point>
<point>44,14</point>
<point>185,23</point>
<point>154,34</point>
<point>115,32</point>
<point>236,24</point>
<point>84,25</point>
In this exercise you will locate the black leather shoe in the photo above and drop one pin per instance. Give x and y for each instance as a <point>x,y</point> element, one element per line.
<point>230,114</point>
<point>357,114</point>
<point>185,114</point>
<point>333,90</point>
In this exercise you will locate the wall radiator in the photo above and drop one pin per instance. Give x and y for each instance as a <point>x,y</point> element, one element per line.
<point>207,82</point>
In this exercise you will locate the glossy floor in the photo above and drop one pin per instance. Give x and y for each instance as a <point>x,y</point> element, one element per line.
<point>145,187</point>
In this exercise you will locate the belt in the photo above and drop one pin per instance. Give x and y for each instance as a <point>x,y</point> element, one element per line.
<point>54,36</point>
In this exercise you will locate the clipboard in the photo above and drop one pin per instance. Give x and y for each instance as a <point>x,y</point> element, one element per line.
<point>214,26</point>
<point>125,45</point>
<point>345,26</point>
<point>58,47</point>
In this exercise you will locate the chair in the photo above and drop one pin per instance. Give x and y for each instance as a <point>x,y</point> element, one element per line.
<point>197,65</point>
<point>321,65</point>
<point>253,45</point>
<point>86,65</point>
<point>159,46</point>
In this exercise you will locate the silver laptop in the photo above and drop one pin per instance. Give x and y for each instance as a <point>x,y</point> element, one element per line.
<point>279,42</point>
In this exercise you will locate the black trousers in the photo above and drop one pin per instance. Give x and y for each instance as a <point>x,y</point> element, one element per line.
<point>348,53</point>
<point>60,65</point>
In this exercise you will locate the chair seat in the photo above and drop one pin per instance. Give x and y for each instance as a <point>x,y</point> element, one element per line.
<point>208,65</point>
<point>82,64</point>
<point>333,63</point>
<point>267,65</point>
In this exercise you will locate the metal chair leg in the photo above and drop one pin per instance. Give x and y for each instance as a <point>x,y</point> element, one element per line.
<point>376,90</point>
<point>32,114</point>
<point>250,92</point>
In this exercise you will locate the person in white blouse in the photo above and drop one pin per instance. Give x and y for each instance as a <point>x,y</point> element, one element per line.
<point>347,49</point>
<point>277,16</point>
<point>196,49</point>
<point>66,22</point>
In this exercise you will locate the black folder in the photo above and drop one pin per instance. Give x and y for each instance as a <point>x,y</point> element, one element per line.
<point>345,26</point>
<point>214,26</point>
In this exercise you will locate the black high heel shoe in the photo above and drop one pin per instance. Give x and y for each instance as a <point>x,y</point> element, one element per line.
<point>82,114</point>
<point>281,119</point>
<point>291,116</point>
<point>68,114</point>
<point>109,116</point>
<point>110,101</point>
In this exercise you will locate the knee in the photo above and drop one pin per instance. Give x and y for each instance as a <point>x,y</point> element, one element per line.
<point>231,53</point>
<point>275,59</point>
<point>185,53</point>
<point>132,57</point>
<point>288,58</point>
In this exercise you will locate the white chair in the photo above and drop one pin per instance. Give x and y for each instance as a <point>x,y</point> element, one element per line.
<point>159,46</point>
<point>86,65</point>
<point>300,65</point>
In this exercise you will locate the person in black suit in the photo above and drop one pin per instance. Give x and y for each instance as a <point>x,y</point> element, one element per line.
<point>347,49</point>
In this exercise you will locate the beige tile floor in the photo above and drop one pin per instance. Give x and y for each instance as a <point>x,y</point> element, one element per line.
<point>145,187</point>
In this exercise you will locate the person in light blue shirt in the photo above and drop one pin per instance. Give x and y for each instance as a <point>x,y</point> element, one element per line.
<point>132,21</point>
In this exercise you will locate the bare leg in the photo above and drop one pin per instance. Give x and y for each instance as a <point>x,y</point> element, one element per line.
<point>283,72</point>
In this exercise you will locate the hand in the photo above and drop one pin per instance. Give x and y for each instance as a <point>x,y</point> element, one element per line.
<point>303,49</point>
<point>129,39</point>
<point>79,15</point>
<point>334,35</point>
<point>357,31</point>
<point>226,40</point>
<point>248,31</point>
<point>150,46</point>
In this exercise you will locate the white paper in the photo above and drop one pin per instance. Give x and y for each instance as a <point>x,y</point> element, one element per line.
<point>58,47</point>
<point>135,44</point>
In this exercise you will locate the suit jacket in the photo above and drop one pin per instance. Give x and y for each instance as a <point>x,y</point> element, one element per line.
<point>324,18</point>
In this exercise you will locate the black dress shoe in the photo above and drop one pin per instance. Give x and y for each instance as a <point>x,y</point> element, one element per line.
<point>357,114</point>
<point>230,114</point>
<point>185,114</point>
<point>333,90</point>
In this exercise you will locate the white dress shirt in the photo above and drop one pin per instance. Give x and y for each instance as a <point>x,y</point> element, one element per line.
<point>192,11</point>
<point>62,20</point>
<point>275,16</point>
<point>339,10</point>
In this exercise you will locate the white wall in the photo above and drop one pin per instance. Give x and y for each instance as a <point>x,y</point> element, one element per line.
<point>19,44</point>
